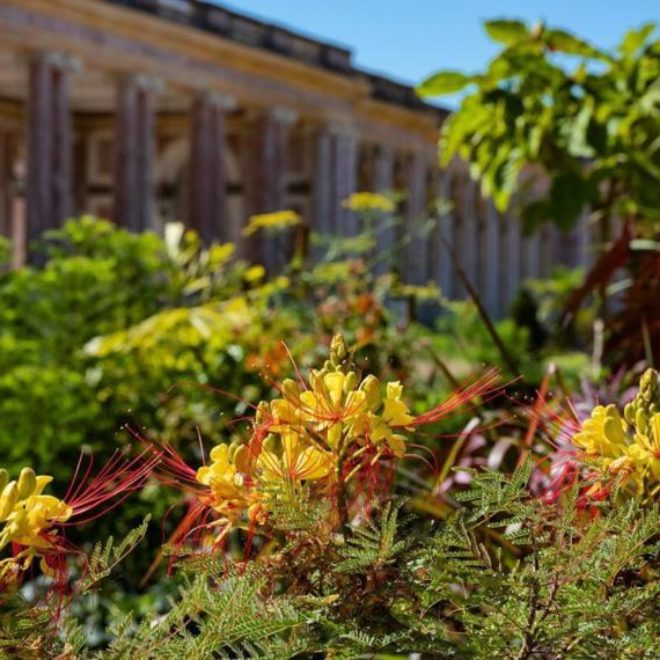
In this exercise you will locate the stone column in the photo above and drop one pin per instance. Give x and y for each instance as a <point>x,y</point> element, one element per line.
<point>492,260</point>
<point>322,181</point>
<point>48,189</point>
<point>345,157</point>
<point>383,181</point>
<point>135,207</point>
<point>532,255</point>
<point>265,175</point>
<point>513,254</point>
<point>416,270</point>
<point>208,186</point>
<point>5,183</point>
<point>444,268</point>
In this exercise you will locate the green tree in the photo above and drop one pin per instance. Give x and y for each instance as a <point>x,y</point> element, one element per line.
<point>583,120</point>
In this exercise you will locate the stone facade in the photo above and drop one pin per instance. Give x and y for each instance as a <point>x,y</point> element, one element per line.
<point>148,111</point>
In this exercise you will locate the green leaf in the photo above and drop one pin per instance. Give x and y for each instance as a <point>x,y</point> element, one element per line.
<point>634,39</point>
<point>568,195</point>
<point>534,215</point>
<point>444,82</point>
<point>506,32</point>
<point>565,42</point>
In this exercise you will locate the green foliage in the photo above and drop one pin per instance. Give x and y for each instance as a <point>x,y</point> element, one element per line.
<point>577,585</point>
<point>587,118</point>
<point>373,547</point>
<point>506,576</point>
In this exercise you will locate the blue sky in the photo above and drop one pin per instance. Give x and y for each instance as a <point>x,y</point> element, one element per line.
<point>407,40</point>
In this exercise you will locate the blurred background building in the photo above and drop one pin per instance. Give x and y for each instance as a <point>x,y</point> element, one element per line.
<point>150,111</point>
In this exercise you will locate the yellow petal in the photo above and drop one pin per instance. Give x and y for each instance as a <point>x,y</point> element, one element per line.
<point>334,383</point>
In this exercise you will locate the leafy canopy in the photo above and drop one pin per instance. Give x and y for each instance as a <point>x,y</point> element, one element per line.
<point>585,118</point>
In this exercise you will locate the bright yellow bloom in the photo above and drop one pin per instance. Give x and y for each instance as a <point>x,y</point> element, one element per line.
<point>645,452</point>
<point>254,273</point>
<point>395,411</point>
<point>332,403</point>
<point>272,221</point>
<point>225,476</point>
<point>337,407</point>
<point>604,433</point>
<point>28,515</point>
<point>298,460</point>
<point>364,202</point>
<point>614,446</point>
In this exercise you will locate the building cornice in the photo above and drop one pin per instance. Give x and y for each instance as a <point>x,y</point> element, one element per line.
<point>111,37</point>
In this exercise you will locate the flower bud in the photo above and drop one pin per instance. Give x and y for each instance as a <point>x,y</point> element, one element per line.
<point>27,482</point>
<point>371,387</point>
<point>350,382</point>
<point>242,458</point>
<point>8,499</point>
<point>648,385</point>
<point>641,420</point>
<point>290,389</point>
<point>629,413</point>
<point>337,349</point>
<point>262,413</point>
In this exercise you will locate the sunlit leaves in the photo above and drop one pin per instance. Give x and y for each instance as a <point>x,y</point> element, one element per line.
<point>444,82</point>
<point>635,39</point>
<point>506,32</point>
<point>565,42</point>
<point>592,128</point>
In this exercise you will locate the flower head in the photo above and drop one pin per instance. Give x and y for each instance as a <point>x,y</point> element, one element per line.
<point>365,202</point>
<point>31,521</point>
<point>628,445</point>
<point>277,220</point>
<point>296,459</point>
<point>226,477</point>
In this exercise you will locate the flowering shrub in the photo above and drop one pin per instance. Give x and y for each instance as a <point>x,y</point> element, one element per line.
<point>626,446</point>
<point>296,541</point>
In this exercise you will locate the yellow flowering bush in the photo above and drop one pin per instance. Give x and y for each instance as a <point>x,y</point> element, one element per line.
<point>369,202</point>
<point>31,521</point>
<point>272,221</point>
<point>27,515</point>
<point>317,436</point>
<point>627,445</point>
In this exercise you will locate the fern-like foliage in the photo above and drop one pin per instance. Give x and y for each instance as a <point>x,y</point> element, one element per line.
<point>506,576</point>
<point>41,626</point>
<point>565,582</point>
<point>373,546</point>
<point>230,617</point>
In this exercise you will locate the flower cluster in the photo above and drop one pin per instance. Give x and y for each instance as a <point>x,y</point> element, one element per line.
<point>628,445</point>
<point>31,521</point>
<point>27,516</point>
<point>320,433</point>
<point>368,202</point>
<point>272,221</point>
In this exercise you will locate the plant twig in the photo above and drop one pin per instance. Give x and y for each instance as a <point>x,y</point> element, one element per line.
<point>508,359</point>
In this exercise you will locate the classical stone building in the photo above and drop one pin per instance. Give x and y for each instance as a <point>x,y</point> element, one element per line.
<point>147,111</point>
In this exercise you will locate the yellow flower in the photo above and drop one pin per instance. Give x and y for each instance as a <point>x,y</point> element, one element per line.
<point>27,513</point>
<point>645,452</point>
<point>254,273</point>
<point>225,476</point>
<point>364,202</point>
<point>272,221</point>
<point>333,402</point>
<point>603,434</point>
<point>395,411</point>
<point>297,461</point>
